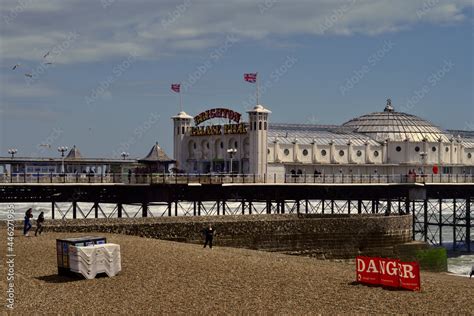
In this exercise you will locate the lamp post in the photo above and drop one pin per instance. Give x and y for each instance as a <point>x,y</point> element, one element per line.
<point>231,152</point>
<point>124,155</point>
<point>423,158</point>
<point>62,150</point>
<point>12,151</point>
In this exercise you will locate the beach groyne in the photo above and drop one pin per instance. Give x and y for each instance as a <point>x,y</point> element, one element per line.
<point>321,236</point>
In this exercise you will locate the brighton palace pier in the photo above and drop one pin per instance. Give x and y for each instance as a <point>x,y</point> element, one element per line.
<point>386,142</point>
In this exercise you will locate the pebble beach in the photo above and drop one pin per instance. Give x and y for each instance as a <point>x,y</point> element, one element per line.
<point>163,277</point>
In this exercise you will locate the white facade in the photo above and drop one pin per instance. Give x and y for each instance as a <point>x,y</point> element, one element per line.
<point>387,142</point>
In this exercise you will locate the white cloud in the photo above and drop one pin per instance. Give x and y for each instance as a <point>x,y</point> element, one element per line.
<point>151,29</point>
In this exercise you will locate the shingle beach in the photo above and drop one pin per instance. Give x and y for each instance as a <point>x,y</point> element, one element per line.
<point>162,277</point>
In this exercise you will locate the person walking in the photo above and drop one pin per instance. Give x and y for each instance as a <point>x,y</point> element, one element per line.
<point>27,226</point>
<point>39,224</point>
<point>209,234</point>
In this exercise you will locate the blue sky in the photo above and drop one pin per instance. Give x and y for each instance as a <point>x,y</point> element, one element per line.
<point>321,62</point>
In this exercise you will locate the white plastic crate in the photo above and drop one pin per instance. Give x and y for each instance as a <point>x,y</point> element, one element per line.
<point>94,259</point>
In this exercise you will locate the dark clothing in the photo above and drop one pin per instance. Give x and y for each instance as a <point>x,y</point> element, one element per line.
<point>209,234</point>
<point>39,225</point>
<point>27,225</point>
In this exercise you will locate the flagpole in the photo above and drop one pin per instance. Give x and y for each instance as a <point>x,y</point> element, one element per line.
<point>257,87</point>
<point>180,99</point>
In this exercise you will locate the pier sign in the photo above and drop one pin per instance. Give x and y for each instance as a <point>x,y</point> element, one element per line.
<point>217,113</point>
<point>388,272</point>
<point>225,129</point>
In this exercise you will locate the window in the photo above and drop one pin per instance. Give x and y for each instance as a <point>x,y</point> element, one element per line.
<point>469,155</point>
<point>341,153</point>
<point>207,145</point>
<point>182,130</point>
<point>447,149</point>
<point>265,125</point>
<point>300,171</point>
<point>235,144</point>
<point>305,152</point>
<point>260,125</point>
<point>417,149</point>
<point>286,152</point>
<point>398,148</point>
<point>323,152</point>
<point>254,126</point>
<point>194,145</point>
<point>268,151</point>
<point>359,153</point>
<point>433,148</point>
<point>376,153</point>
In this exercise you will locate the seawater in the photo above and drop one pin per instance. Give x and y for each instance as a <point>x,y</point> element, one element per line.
<point>459,265</point>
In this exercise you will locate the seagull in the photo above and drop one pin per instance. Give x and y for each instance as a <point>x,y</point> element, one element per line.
<point>29,75</point>
<point>45,145</point>
<point>48,63</point>
<point>16,66</point>
<point>46,55</point>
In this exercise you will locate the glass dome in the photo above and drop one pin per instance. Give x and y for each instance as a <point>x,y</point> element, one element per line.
<point>396,126</point>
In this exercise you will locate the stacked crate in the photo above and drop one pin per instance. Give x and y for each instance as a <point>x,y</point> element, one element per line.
<point>62,250</point>
<point>91,260</point>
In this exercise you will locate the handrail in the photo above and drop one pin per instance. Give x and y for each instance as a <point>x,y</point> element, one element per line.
<point>225,178</point>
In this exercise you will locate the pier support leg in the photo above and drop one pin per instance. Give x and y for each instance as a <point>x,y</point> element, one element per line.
<point>176,208</point>
<point>425,220</point>
<point>455,225</point>
<point>119,210</point>
<point>170,206</point>
<point>74,209</point>
<point>359,206</point>
<point>96,210</point>
<point>53,204</point>
<point>144,209</point>
<point>468,224</point>
<point>440,227</point>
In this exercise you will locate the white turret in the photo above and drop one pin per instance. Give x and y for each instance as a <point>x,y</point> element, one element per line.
<point>182,122</point>
<point>258,120</point>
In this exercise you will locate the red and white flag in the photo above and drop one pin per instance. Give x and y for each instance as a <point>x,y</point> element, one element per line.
<point>176,87</point>
<point>250,77</point>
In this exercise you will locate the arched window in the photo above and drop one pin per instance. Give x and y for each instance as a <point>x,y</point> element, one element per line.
<point>260,125</point>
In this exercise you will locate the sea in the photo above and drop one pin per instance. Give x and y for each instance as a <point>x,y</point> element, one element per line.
<point>459,264</point>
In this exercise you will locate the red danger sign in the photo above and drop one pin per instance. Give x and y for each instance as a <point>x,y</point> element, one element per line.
<point>388,272</point>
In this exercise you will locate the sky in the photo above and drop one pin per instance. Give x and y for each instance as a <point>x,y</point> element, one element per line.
<point>98,73</point>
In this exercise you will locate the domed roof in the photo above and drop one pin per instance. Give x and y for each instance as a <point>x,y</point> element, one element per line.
<point>396,126</point>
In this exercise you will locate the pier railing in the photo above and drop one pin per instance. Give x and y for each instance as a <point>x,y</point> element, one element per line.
<point>157,178</point>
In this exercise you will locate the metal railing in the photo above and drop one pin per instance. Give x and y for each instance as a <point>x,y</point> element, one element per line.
<point>156,178</point>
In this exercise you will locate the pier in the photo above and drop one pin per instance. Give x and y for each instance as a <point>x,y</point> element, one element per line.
<point>435,202</point>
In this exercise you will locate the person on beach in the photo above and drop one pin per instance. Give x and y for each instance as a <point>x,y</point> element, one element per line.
<point>27,226</point>
<point>39,224</point>
<point>209,234</point>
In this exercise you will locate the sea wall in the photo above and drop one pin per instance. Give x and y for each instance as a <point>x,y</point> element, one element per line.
<point>322,236</point>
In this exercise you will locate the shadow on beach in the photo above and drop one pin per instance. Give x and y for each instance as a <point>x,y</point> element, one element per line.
<point>55,278</point>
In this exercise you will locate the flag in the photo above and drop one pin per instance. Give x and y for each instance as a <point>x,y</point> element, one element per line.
<point>251,77</point>
<point>176,87</point>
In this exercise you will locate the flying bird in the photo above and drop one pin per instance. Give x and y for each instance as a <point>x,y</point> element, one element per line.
<point>16,66</point>
<point>46,55</point>
<point>48,63</point>
<point>29,75</point>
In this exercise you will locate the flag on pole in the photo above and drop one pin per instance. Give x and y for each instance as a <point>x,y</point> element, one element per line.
<point>176,87</point>
<point>250,77</point>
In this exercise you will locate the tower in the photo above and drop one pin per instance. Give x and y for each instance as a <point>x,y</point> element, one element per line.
<point>258,120</point>
<point>181,123</point>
